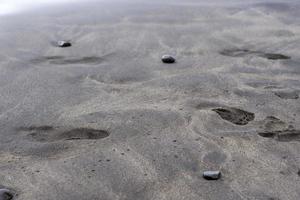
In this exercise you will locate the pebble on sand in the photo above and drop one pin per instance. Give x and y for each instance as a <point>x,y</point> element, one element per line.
<point>64,43</point>
<point>168,59</point>
<point>6,194</point>
<point>212,175</point>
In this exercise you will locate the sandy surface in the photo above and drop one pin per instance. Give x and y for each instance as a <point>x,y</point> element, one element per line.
<point>106,120</point>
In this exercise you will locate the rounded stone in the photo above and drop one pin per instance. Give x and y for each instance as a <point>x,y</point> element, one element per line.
<point>63,43</point>
<point>168,59</point>
<point>212,175</point>
<point>6,194</point>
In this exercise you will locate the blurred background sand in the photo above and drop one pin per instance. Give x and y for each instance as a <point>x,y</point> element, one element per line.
<point>163,130</point>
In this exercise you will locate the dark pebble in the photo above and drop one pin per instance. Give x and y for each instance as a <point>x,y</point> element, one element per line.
<point>212,175</point>
<point>64,44</point>
<point>167,59</point>
<point>6,194</point>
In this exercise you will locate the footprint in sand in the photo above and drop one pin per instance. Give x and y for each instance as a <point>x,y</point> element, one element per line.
<point>235,115</point>
<point>83,133</point>
<point>61,60</point>
<point>246,52</point>
<point>6,194</point>
<point>273,123</point>
<point>287,95</point>
<point>276,129</point>
<point>287,135</point>
<point>50,134</point>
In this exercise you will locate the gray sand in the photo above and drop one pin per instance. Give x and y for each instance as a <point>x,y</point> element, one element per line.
<point>105,119</point>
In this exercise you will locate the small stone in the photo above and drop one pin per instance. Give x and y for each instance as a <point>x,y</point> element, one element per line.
<point>64,44</point>
<point>212,175</point>
<point>6,194</point>
<point>168,59</point>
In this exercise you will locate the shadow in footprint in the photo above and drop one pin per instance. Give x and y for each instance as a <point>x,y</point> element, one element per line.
<point>287,135</point>
<point>273,56</point>
<point>6,194</point>
<point>287,95</point>
<point>49,134</point>
<point>246,52</point>
<point>235,115</point>
<point>83,133</point>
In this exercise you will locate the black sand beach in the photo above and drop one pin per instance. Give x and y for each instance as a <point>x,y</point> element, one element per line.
<point>106,119</point>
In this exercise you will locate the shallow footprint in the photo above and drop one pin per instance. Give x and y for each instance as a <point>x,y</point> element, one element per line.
<point>274,56</point>
<point>271,123</point>
<point>246,52</point>
<point>235,115</point>
<point>60,60</point>
<point>235,52</point>
<point>49,134</point>
<point>81,60</point>
<point>287,95</point>
<point>36,128</point>
<point>83,133</point>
